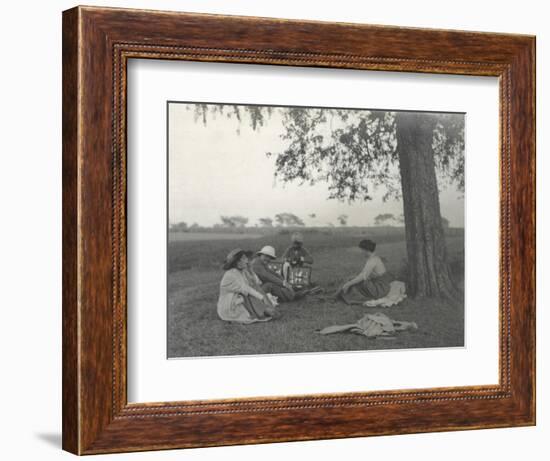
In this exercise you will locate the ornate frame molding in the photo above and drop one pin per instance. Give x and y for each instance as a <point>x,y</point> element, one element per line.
<point>97,44</point>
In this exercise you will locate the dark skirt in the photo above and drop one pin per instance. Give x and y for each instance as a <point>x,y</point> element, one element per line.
<point>255,307</point>
<point>373,288</point>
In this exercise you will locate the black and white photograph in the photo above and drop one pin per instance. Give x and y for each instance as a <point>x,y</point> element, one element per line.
<point>275,230</point>
<point>313,229</point>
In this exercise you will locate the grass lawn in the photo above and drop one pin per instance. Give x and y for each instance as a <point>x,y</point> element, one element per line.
<point>194,328</point>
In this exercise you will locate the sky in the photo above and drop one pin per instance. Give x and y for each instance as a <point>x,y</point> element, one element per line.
<point>221,169</point>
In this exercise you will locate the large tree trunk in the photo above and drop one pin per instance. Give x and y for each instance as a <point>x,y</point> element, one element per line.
<point>429,273</point>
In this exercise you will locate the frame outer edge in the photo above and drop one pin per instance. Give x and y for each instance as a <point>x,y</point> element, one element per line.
<point>90,423</point>
<point>523,245</point>
<point>533,55</point>
<point>528,149</point>
<point>70,189</point>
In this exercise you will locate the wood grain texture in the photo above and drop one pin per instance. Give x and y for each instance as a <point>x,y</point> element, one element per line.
<point>97,43</point>
<point>70,384</point>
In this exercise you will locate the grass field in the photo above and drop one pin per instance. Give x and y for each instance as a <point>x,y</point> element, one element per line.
<point>194,328</point>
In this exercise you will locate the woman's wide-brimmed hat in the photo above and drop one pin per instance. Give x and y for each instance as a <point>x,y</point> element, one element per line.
<point>268,251</point>
<point>232,257</point>
<point>297,237</point>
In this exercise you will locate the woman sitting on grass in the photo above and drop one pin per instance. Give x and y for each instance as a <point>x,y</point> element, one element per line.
<point>373,282</point>
<point>238,300</point>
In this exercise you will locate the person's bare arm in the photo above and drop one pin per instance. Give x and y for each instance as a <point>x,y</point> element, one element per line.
<point>361,277</point>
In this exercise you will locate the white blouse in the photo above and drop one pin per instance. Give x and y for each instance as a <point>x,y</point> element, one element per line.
<point>373,267</point>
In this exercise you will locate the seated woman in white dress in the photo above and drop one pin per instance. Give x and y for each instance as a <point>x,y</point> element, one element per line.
<point>238,300</point>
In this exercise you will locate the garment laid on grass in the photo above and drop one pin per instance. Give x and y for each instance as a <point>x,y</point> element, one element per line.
<point>237,298</point>
<point>371,325</point>
<point>272,282</point>
<point>396,294</point>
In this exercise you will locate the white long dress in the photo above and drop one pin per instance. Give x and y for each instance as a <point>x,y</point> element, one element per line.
<point>233,287</point>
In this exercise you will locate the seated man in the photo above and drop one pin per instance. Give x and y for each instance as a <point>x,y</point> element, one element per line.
<point>297,262</point>
<point>271,281</point>
<point>296,255</point>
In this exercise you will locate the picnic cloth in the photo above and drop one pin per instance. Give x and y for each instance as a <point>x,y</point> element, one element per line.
<point>395,296</point>
<point>371,325</point>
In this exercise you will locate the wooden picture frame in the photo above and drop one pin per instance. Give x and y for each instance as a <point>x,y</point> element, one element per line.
<point>97,44</point>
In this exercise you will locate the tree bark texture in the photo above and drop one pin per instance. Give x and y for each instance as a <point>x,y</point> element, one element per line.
<point>428,268</point>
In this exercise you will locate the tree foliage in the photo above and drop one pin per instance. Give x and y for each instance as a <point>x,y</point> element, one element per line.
<point>288,220</point>
<point>355,151</point>
<point>383,218</point>
<point>343,219</point>
<point>266,222</point>
<point>448,145</point>
<point>179,227</point>
<point>233,221</point>
<point>352,151</point>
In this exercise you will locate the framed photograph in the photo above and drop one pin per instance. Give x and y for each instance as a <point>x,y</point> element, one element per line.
<point>281,230</point>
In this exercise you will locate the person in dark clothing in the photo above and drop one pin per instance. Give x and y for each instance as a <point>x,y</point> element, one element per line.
<point>296,255</point>
<point>271,281</point>
<point>255,282</point>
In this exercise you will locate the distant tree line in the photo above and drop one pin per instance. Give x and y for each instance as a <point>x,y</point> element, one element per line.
<point>287,219</point>
<point>388,219</point>
<point>183,227</point>
<point>233,221</point>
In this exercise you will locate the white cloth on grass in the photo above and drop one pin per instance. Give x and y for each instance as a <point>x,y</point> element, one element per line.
<point>396,294</point>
